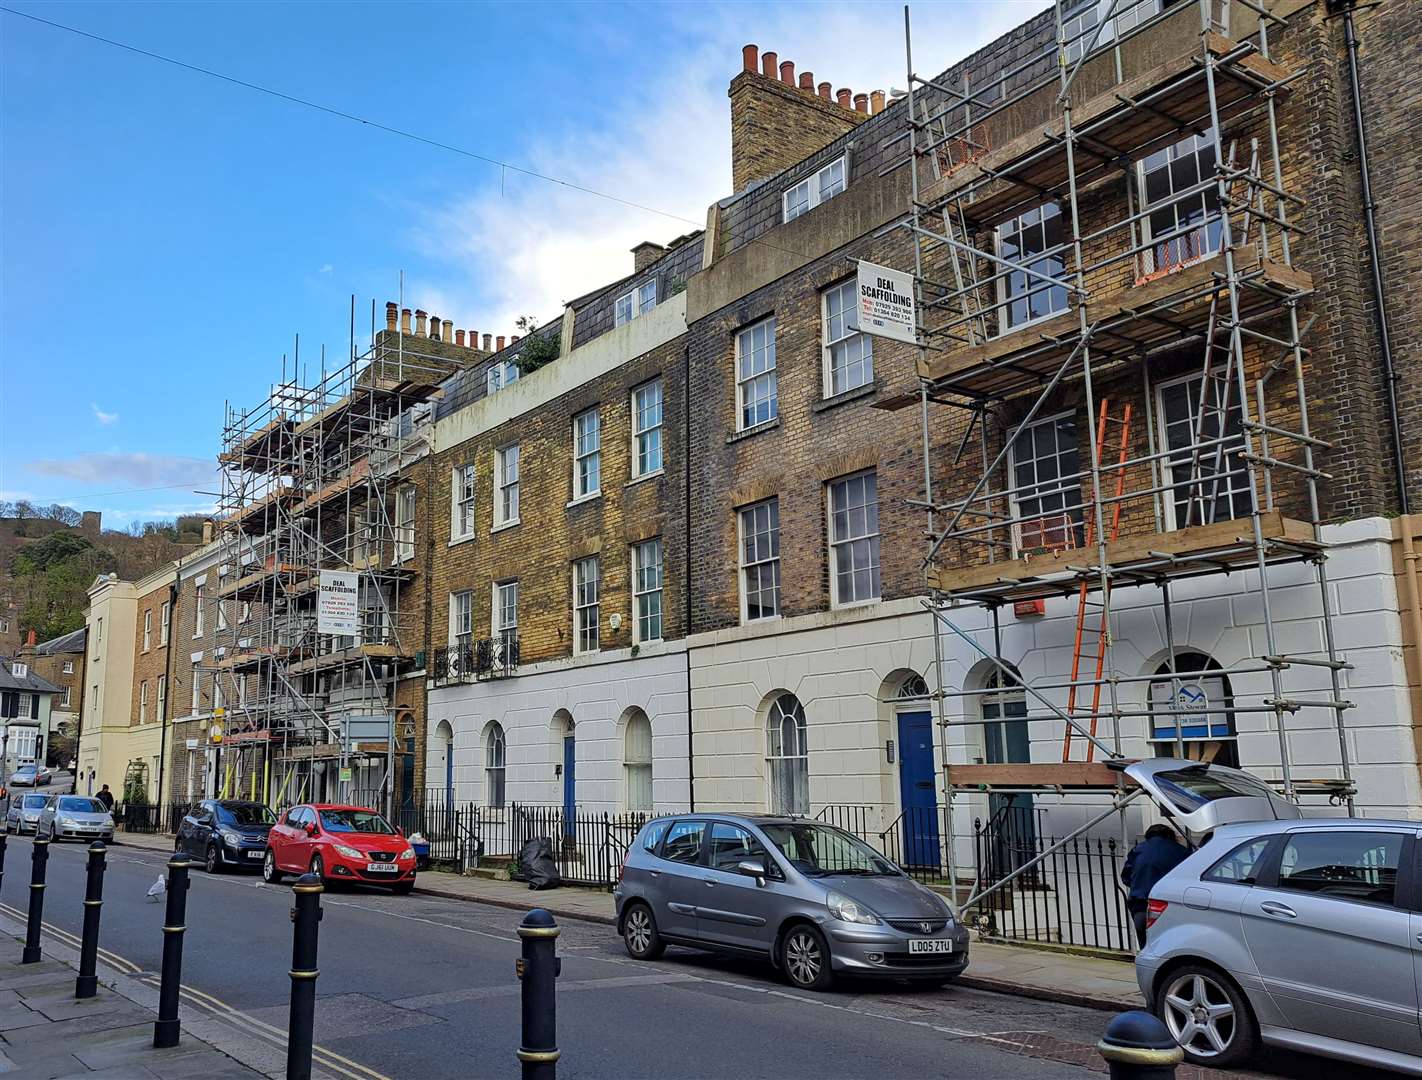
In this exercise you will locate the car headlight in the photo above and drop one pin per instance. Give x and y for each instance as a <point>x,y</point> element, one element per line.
<point>67,822</point>
<point>847,910</point>
<point>232,839</point>
<point>947,908</point>
<point>348,852</point>
<point>407,854</point>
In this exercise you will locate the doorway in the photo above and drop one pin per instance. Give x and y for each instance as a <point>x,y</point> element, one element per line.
<point>1010,833</point>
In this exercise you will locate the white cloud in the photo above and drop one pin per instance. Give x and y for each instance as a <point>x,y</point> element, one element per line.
<point>118,470</point>
<point>326,268</point>
<point>105,418</point>
<point>528,245</point>
<point>123,517</point>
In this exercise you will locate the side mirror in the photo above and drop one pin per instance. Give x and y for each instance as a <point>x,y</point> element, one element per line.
<point>752,868</point>
<point>310,829</point>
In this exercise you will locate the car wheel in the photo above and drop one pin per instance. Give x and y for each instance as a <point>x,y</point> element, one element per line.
<point>53,833</point>
<point>805,958</point>
<point>639,933</point>
<point>212,860</point>
<point>271,874</point>
<point>318,867</point>
<point>402,888</point>
<point>1208,1016</point>
<point>177,844</point>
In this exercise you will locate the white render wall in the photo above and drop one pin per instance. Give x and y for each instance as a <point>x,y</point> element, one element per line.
<point>843,665</point>
<point>597,692</point>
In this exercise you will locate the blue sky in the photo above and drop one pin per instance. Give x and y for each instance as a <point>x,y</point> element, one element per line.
<point>165,235</point>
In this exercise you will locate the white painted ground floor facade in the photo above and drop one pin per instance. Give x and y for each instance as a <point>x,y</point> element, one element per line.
<point>828,710</point>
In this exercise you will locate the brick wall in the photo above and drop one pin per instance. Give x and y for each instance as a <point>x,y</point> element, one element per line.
<point>774,125</point>
<point>149,663</point>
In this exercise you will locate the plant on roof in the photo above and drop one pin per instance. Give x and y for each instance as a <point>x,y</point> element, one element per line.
<point>537,348</point>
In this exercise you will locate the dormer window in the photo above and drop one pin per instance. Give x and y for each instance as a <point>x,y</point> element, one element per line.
<point>635,302</point>
<point>815,189</point>
<point>500,375</point>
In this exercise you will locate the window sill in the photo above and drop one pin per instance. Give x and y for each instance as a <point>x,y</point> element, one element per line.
<point>849,604</point>
<point>844,397</point>
<point>645,476</point>
<point>455,541</point>
<point>501,526</point>
<point>746,433</point>
<point>761,621</point>
<point>589,497</point>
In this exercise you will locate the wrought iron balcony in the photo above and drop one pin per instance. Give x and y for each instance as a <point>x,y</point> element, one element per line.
<point>487,658</point>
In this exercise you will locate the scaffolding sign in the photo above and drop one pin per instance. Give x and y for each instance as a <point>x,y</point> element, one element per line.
<point>886,306</point>
<point>337,604</point>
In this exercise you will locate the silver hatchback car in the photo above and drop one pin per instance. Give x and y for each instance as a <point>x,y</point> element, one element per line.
<point>1304,934</point>
<point>75,817</point>
<point>812,899</point>
<point>24,812</point>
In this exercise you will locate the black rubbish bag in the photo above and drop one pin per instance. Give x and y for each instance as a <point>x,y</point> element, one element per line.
<point>536,865</point>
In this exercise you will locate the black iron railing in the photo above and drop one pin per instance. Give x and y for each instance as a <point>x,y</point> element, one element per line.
<point>487,658</point>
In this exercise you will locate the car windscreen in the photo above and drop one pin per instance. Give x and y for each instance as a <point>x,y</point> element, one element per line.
<point>34,802</point>
<point>26,770</point>
<point>1190,789</point>
<point>244,814</point>
<point>77,804</point>
<point>361,821</point>
<point>818,850</point>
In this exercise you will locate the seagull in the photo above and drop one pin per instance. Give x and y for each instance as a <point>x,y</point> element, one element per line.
<point>157,889</point>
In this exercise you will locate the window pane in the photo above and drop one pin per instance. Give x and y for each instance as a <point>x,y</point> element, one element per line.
<point>730,844</point>
<point>1347,865</point>
<point>683,843</point>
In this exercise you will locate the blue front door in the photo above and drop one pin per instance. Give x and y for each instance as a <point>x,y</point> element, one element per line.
<point>918,789</point>
<point>570,794</point>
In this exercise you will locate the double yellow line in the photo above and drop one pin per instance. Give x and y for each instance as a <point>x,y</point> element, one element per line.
<point>327,1059</point>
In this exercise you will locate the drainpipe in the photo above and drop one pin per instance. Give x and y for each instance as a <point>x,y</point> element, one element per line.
<point>686,591</point>
<point>163,724</point>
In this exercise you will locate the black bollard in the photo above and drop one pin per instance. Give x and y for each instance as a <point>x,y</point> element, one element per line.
<point>166,1029</point>
<point>301,1023</point>
<point>4,840</point>
<point>87,984</point>
<point>538,968</point>
<point>39,860</point>
<point>1137,1046</point>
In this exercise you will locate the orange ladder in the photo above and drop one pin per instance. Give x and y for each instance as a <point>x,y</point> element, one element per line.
<point>1084,606</point>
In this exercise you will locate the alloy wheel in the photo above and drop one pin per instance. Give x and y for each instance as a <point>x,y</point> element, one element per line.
<point>803,958</point>
<point>210,862</point>
<point>1199,1014</point>
<point>269,868</point>
<point>639,929</point>
<point>318,867</point>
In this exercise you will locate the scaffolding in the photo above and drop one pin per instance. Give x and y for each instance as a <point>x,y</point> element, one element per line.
<point>1035,293</point>
<point>316,479</point>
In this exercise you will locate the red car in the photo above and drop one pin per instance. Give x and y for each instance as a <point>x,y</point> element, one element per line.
<point>339,843</point>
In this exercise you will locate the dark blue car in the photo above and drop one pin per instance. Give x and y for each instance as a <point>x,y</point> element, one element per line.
<point>225,833</point>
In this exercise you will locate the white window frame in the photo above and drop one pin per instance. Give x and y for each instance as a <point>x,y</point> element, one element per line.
<point>1208,248</point>
<point>847,339</point>
<point>461,619</point>
<point>162,697</point>
<point>587,612</point>
<point>165,616</point>
<point>1168,479</point>
<point>1041,489</point>
<point>143,701</point>
<point>501,630</point>
<point>637,762</point>
<point>219,695</point>
<point>648,583</point>
<point>496,749</point>
<point>147,629</point>
<point>820,186</point>
<point>69,667</point>
<point>246,613</point>
<point>869,537</point>
<point>500,375</point>
<point>587,454</point>
<point>646,434</point>
<point>634,302</point>
<point>195,705</point>
<point>462,480</point>
<point>221,608</point>
<point>1035,286</point>
<point>64,701</point>
<point>787,763</point>
<point>771,561</point>
<point>198,618</point>
<point>405,523</point>
<point>757,378</point>
<point>506,479</point>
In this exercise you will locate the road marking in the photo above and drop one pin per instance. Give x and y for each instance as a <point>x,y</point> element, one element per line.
<point>113,959</point>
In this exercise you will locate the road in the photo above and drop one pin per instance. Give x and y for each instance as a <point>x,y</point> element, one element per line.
<point>424,987</point>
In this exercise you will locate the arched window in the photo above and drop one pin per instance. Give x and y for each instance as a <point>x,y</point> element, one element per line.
<point>1192,710</point>
<point>494,766</point>
<point>1006,738</point>
<point>913,687</point>
<point>788,757</point>
<point>637,761</point>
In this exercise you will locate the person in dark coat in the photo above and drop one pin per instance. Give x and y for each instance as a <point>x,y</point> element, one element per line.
<point>106,797</point>
<point>1148,862</point>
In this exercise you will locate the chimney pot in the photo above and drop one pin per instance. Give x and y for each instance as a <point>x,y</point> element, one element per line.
<point>30,638</point>
<point>500,342</point>
<point>825,90</point>
<point>861,103</point>
<point>434,327</point>
<point>768,60</point>
<point>488,342</point>
<point>842,96</point>
<point>513,339</point>
<point>473,339</point>
<point>405,321</point>
<point>459,337</point>
<point>420,317</point>
<point>876,101</point>
<point>447,331</point>
<point>750,57</point>
<point>787,72</point>
<point>392,312</point>
<point>807,81</point>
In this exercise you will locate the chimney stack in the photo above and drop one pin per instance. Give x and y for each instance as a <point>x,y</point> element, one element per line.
<point>420,317</point>
<point>876,102</point>
<point>750,58</point>
<point>207,532</point>
<point>405,320</point>
<point>644,254</point>
<point>30,639</point>
<point>768,62</point>
<point>392,312</point>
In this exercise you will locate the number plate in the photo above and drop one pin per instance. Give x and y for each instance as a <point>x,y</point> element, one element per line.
<point>930,945</point>
<point>381,868</point>
<point>255,854</point>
